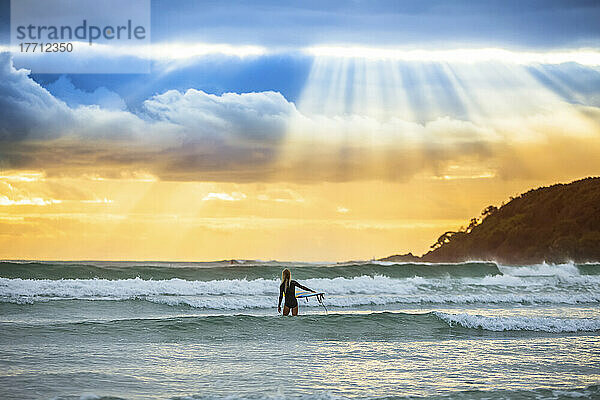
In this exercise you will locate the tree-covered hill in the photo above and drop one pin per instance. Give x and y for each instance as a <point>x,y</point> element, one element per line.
<point>555,224</point>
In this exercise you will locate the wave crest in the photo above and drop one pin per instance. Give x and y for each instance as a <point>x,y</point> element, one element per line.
<point>518,323</point>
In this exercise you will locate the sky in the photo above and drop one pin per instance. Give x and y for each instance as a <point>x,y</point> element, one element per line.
<point>313,131</point>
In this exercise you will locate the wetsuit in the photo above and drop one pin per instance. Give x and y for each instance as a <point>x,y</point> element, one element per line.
<point>290,294</point>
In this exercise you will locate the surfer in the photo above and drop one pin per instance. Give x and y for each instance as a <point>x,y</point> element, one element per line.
<point>288,289</point>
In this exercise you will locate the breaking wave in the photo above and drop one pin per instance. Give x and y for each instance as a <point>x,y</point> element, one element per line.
<point>513,286</point>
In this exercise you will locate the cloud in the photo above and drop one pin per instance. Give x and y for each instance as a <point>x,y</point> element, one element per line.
<point>177,136</point>
<point>30,112</point>
<point>26,108</point>
<point>261,136</point>
<point>34,201</point>
<point>165,119</point>
<point>64,89</point>
<point>22,176</point>
<point>35,189</point>
<point>234,196</point>
<point>260,117</point>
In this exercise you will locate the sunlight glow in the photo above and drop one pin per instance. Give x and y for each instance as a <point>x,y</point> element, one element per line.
<point>386,90</point>
<point>366,113</point>
<point>189,50</point>
<point>587,57</point>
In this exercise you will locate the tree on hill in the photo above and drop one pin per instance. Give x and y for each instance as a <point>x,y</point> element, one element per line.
<point>489,210</point>
<point>444,238</point>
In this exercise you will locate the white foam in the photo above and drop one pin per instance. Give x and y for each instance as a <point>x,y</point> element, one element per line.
<point>131,287</point>
<point>518,323</point>
<point>543,269</point>
<point>341,292</point>
<point>498,280</point>
<point>141,287</point>
<point>234,302</point>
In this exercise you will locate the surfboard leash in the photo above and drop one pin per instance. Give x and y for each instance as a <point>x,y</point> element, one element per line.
<point>320,298</point>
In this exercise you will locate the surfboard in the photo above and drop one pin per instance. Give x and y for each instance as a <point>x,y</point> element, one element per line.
<point>308,294</point>
<point>320,296</point>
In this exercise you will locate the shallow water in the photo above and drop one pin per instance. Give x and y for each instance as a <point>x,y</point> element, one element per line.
<point>210,330</point>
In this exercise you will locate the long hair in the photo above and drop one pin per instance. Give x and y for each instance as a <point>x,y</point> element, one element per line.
<point>286,276</point>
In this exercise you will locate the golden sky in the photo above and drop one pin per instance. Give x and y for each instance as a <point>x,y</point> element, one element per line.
<point>144,219</point>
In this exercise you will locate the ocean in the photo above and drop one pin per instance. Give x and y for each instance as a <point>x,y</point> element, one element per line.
<point>139,330</point>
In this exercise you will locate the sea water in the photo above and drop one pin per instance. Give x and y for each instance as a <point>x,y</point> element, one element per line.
<point>89,330</point>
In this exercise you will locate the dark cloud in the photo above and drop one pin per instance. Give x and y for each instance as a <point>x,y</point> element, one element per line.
<point>179,136</point>
<point>27,110</point>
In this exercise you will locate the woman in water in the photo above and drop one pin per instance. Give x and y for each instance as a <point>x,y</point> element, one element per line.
<point>288,289</point>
